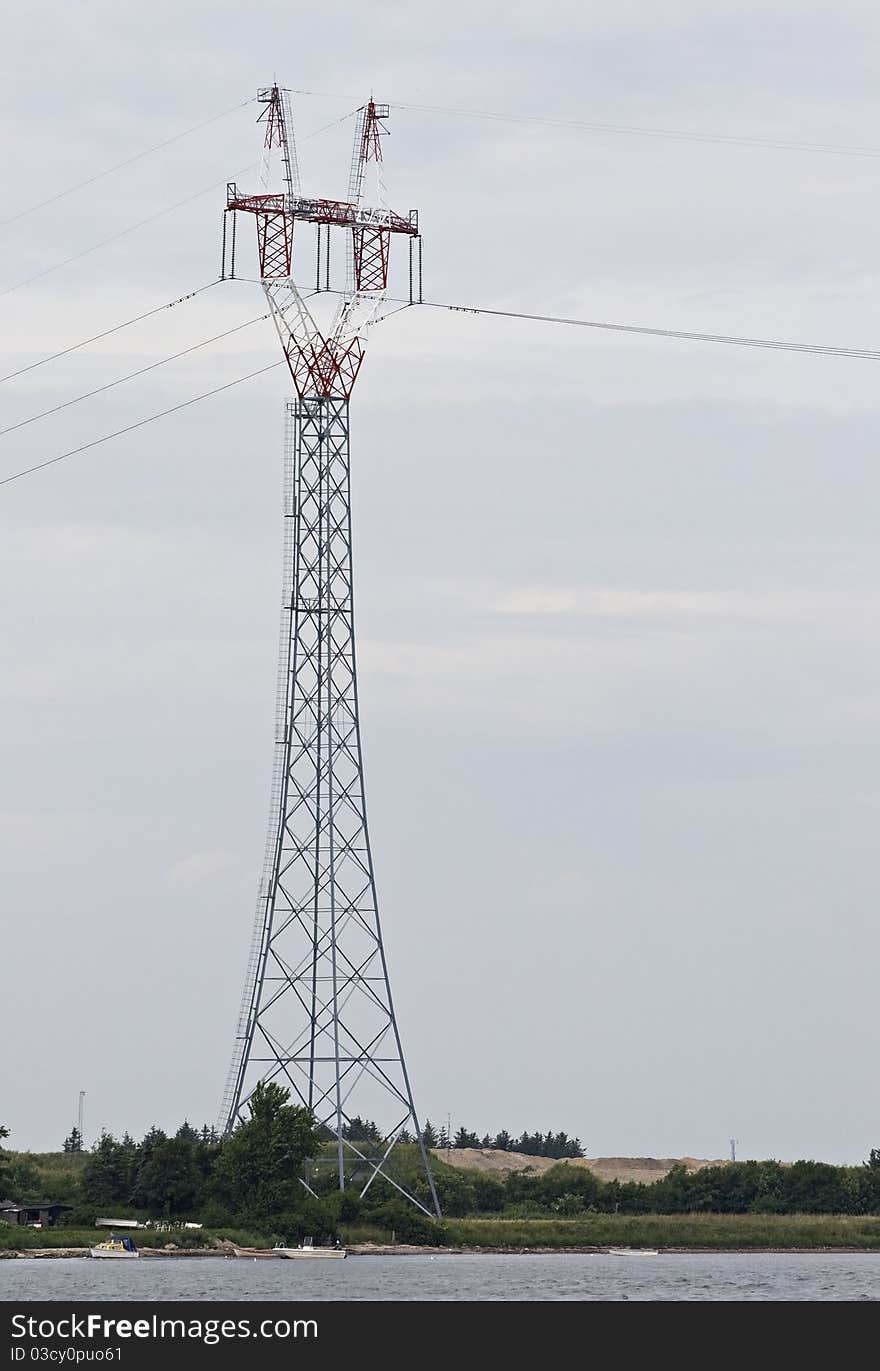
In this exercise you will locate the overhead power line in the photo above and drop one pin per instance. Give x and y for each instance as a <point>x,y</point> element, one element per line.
<point>151,218</point>
<point>130,376</point>
<point>140,423</point>
<point>683,335</point>
<point>633,130</point>
<point>118,166</point>
<point>96,337</point>
<point>779,344</point>
<point>324,127</point>
<point>121,233</point>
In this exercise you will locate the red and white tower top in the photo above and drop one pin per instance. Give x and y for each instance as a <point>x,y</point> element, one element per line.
<point>322,364</point>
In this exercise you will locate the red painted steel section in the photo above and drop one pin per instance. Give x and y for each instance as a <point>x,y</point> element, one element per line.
<point>371,258</point>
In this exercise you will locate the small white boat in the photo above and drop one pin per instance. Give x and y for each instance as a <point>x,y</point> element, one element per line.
<point>307,1249</point>
<point>115,1247</point>
<point>632,1251</point>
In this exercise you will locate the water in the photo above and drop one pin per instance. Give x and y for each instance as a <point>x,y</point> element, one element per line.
<point>568,1276</point>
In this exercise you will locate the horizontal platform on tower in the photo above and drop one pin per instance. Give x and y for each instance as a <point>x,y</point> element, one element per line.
<point>311,211</point>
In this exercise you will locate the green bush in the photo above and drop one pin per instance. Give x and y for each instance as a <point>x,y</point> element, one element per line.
<point>410,1225</point>
<point>216,1215</point>
<point>311,1219</point>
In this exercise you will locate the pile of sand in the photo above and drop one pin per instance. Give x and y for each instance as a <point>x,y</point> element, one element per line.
<point>641,1169</point>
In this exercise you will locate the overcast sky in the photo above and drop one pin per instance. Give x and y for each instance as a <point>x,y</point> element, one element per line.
<point>617,597</point>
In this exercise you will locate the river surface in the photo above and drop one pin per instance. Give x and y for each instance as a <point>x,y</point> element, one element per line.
<point>568,1276</point>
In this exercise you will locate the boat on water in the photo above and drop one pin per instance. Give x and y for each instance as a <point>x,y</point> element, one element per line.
<point>632,1251</point>
<point>115,1246</point>
<point>308,1250</point>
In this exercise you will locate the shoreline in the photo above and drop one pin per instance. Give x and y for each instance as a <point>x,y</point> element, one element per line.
<point>407,1250</point>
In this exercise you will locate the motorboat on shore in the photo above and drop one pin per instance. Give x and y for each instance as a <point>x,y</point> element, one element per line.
<point>115,1246</point>
<point>308,1250</point>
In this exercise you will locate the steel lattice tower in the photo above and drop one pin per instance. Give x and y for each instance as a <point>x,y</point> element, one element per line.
<point>317,1013</point>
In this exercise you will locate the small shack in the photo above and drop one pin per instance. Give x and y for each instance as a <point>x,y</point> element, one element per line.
<point>43,1215</point>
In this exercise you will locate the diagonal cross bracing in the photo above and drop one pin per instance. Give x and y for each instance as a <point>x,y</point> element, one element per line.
<point>317,1013</point>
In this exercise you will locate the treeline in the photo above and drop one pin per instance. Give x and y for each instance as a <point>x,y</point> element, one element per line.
<point>558,1145</point>
<point>771,1187</point>
<point>250,1180</point>
<point>247,1181</point>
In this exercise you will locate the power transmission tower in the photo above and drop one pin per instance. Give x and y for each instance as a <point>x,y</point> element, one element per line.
<point>317,1014</point>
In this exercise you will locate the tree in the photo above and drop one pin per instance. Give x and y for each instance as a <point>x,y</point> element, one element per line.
<point>874,1159</point>
<point>256,1172</point>
<point>465,1139</point>
<point>361,1130</point>
<point>815,1188</point>
<point>109,1174</point>
<point>73,1142</point>
<point>171,1181</point>
<point>429,1134</point>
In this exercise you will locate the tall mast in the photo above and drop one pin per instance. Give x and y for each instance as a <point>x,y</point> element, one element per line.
<point>317,1014</point>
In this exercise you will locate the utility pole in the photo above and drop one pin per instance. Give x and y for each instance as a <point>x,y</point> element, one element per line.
<point>80,1114</point>
<point>733,1143</point>
<point>316,1014</point>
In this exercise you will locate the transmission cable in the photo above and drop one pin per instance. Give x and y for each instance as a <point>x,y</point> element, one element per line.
<point>140,423</point>
<point>779,344</point>
<point>820,349</point>
<point>324,127</point>
<point>732,340</point>
<point>99,390</point>
<point>126,323</point>
<point>98,176</point>
<point>151,219</point>
<point>588,126</point>
<point>169,209</point>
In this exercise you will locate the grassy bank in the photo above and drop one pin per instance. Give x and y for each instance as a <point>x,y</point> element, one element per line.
<point>718,1231</point>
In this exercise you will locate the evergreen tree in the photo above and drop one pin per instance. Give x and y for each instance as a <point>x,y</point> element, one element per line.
<point>73,1142</point>
<point>170,1182</point>
<point>361,1130</point>
<point>108,1175</point>
<point>429,1135</point>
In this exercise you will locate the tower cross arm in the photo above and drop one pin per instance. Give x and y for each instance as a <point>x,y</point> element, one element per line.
<point>269,203</point>
<point>346,214</point>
